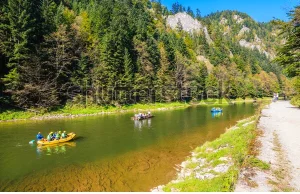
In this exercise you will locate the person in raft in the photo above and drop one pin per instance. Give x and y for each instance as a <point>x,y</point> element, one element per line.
<point>49,137</point>
<point>39,136</point>
<point>64,135</point>
<point>58,135</point>
<point>53,135</point>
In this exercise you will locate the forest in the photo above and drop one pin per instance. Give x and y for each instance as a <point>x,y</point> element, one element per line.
<point>289,53</point>
<point>114,52</point>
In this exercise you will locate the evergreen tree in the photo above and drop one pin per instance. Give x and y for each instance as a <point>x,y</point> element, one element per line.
<point>198,14</point>
<point>4,36</point>
<point>179,26</point>
<point>212,86</point>
<point>48,12</point>
<point>190,12</point>
<point>128,68</point>
<point>176,8</point>
<point>23,29</point>
<point>288,55</point>
<point>165,84</point>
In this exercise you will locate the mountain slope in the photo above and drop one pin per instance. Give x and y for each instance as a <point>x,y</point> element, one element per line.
<point>242,28</point>
<point>70,49</point>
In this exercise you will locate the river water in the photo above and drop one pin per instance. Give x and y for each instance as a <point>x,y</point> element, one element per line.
<point>111,152</point>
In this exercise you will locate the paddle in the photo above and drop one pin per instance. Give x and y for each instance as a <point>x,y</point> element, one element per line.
<point>32,142</point>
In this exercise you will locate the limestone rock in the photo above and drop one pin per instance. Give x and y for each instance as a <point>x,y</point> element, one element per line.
<point>189,24</point>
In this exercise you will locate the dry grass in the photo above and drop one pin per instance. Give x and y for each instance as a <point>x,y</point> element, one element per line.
<point>281,171</point>
<point>251,163</point>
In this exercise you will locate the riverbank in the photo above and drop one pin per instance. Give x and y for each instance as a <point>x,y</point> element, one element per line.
<point>215,166</point>
<point>226,102</point>
<point>280,147</point>
<point>81,111</point>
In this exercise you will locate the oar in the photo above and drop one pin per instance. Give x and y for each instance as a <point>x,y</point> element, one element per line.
<point>32,142</point>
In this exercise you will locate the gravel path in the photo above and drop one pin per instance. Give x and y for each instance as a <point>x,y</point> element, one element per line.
<point>280,123</point>
<point>286,120</point>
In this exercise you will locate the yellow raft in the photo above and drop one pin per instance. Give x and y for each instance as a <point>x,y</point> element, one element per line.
<point>70,137</point>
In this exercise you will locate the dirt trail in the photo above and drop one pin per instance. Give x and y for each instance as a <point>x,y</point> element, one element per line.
<point>280,147</point>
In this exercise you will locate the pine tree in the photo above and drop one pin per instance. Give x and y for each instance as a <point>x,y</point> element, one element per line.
<point>289,56</point>
<point>198,14</point>
<point>128,68</point>
<point>4,32</point>
<point>212,86</point>
<point>4,36</point>
<point>190,12</point>
<point>165,82</point>
<point>144,79</point>
<point>48,12</point>
<point>59,17</point>
<point>179,26</point>
<point>175,7</point>
<point>22,27</point>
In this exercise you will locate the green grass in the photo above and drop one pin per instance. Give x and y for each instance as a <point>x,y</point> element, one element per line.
<point>234,144</point>
<point>255,162</point>
<point>6,115</point>
<point>74,110</point>
<point>226,102</point>
<point>222,183</point>
<point>15,114</point>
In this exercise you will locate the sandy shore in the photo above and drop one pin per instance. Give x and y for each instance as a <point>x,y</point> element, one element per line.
<point>280,147</point>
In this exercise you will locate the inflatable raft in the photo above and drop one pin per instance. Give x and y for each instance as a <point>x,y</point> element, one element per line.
<point>216,110</point>
<point>142,118</point>
<point>70,137</point>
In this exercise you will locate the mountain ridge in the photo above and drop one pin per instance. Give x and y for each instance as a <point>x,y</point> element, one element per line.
<point>190,24</point>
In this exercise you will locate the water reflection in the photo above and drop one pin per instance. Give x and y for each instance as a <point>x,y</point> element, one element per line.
<point>216,114</point>
<point>142,124</point>
<point>54,149</point>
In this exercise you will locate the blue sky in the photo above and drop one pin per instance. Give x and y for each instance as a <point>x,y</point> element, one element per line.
<point>259,10</point>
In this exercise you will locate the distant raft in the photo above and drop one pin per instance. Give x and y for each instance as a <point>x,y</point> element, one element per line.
<point>142,118</point>
<point>70,137</point>
<point>216,110</point>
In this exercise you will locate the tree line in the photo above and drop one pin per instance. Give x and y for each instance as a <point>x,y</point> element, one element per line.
<point>289,53</point>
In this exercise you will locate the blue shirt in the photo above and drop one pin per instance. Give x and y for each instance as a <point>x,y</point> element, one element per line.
<point>39,136</point>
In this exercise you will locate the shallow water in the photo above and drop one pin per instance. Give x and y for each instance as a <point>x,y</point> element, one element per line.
<point>111,153</point>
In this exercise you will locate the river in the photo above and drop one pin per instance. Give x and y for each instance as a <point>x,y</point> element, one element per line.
<point>111,152</point>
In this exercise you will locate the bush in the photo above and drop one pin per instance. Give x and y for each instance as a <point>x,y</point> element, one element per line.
<point>296,101</point>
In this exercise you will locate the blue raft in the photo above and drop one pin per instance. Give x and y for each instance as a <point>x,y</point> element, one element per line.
<point>216,110</point>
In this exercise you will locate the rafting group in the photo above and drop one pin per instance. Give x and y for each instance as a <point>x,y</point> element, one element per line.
<point>216,110</point>
<point>142,116</point>
<point>52,136</point>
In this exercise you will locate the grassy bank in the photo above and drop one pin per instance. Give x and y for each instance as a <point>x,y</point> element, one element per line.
<point>68,111</point>
<point>226,102</point>
<point>215,166</point>
<point>6,115</point>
